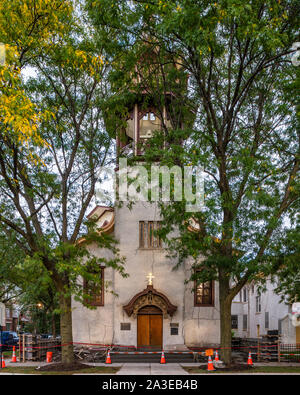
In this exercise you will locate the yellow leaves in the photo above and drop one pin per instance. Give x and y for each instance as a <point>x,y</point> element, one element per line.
<point>32,24</point>
<point>178,8</point>
<point>18,118</point>
<point>160,3</point>
<point>33,159</point>
<point>81,55</point>
<point>83,60</point>
<point>24,8</point>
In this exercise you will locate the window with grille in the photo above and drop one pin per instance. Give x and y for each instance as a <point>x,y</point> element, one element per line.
<point>266,320</point>
<point>258,304</point>
<point>148,236</point>
<point>234,322</point>
<point>204,295</point>
<point>245,295</point>
<point>279,327</point>
<point>245,322</point>
<point>94,290</point>
<point>174,329</point>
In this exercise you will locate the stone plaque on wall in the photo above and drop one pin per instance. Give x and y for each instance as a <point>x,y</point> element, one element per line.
<point>125,326</point>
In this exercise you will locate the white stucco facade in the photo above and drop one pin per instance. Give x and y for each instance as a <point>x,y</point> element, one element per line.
<point>197,326</point>
<point>265,312</point>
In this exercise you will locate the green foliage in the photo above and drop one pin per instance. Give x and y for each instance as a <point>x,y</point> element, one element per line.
<point>242,85</point>
<point>46,194</point>
<point>284,266</point>
<point>242,88</point>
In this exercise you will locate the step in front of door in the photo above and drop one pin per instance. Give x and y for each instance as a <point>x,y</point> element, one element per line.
<point>151,358</point>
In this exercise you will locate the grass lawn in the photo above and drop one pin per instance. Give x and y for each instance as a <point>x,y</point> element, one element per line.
<point>258,369</point>
<point>32,370</point>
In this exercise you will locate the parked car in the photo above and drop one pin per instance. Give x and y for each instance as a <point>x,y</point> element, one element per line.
<point>9,339</point>
<point>46,336</point>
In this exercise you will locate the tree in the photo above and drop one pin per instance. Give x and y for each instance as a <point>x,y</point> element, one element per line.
<point>17,285</point>
<point>26,30</point>
<point>246,135</point>
<point>284,266</point>
<point>40,301</point>
<point>45,194</point>
<point>10,276</point>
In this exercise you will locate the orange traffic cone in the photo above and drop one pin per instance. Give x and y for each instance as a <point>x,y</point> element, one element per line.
<point>14,358</point>
<point>108,360</point>
<point>210,366</point>
<point>3,363</point>
<point>216,356</point>
<point>249,359</point>
<point>162,359</point>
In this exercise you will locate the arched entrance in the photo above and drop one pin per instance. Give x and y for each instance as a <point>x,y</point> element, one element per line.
<point>150,328</point>
<point>150,307</point>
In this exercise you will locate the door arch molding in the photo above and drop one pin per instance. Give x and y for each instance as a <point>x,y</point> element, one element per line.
<point>150,297</point>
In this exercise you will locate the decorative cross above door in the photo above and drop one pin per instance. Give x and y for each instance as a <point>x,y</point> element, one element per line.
<point>150,278</point>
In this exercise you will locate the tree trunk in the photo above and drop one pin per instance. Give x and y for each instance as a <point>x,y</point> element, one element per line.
<point>225,319</point>
<point>53,324</point>
<point>66,329</point>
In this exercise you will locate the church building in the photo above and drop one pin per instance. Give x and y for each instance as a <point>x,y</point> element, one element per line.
<point>154,308</point>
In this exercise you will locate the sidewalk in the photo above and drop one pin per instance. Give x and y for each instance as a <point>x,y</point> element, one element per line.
<point>149,369</point>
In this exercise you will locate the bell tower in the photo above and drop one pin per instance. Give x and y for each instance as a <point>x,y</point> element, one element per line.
<point>157,88</point>
<point>143,121</point>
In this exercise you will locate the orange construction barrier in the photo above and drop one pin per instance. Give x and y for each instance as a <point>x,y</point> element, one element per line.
<point>216,356</point>
<point>14,358</point>
<point>162,359</point>
<point>49,356</point>
<point>210,366</point>
<point>249,362</point>
<point>108,360</point>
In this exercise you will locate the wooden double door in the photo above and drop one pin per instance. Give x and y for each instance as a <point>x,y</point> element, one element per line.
<point>150,328</point>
